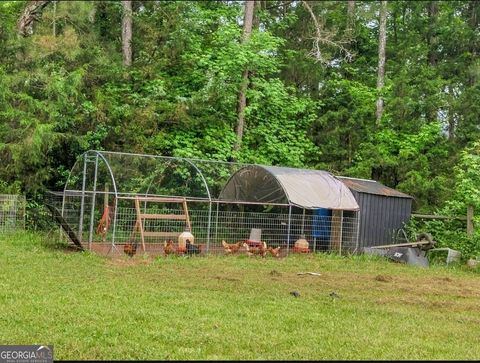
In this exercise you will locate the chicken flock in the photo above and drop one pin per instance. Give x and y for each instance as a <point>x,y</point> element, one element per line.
<point>262,250</point>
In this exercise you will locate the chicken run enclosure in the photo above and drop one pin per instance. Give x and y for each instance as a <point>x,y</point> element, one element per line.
<point>112,199</point>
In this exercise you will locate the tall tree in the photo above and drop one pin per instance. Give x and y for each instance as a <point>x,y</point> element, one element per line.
<point>350,16</point>
<point>382,41</point>
<point>432,9</point>
<point>54,22</point>
<point>242,95</point>
<point>127,33</point>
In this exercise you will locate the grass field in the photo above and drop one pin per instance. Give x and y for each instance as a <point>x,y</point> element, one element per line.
<point>233,307</point>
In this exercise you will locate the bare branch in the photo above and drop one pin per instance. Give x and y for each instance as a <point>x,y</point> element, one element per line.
<point>276,6</point>
<point>323,37</point>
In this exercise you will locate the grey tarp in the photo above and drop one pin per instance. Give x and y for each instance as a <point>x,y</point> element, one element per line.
<point>305,188</point>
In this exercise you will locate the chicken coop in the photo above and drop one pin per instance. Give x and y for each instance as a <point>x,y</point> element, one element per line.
<point>113,199</point>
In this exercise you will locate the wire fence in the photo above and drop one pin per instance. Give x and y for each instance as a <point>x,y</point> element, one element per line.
<point>12,212</point>
<point>211,223</point>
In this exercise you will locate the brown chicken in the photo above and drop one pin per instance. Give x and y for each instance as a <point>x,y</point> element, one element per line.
<point>274,251</point>
<point>130,249</point>
<point>231,248</point>
<point>168,247</point>
<point>262,250</point>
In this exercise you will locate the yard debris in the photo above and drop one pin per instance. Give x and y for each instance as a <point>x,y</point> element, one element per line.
<point>295,293</point>
<point>452,255</point>
<point>275,273</point>
<point>309,273</point>
<point>227,278</point>
<point>334,295</point>
<point>473,263</point>
<point>409,255</point>
<point>412,253</point>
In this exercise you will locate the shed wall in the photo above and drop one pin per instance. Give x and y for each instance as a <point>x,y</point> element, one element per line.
<point>380,217</point>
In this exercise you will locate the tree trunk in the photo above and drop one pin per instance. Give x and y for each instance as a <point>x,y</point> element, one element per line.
<point>54,19</point>
<point>242,96</point>
<point>127,33</point>
<point>382,40</point>
<point>256,9</point>
<point>451,125</point>
<point>350,17</point>
<point>432,10</point>
<point>32,13</point>
<point>431,39</point>
<point>474,14</point>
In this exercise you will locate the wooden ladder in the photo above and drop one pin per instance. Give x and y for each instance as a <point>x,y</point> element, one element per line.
<point>141,217</point>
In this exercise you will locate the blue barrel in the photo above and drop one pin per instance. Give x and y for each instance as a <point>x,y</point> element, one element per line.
<point>322,219</point>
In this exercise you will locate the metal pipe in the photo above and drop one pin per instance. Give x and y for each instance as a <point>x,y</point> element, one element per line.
<point>114,223</point>
<point>92,210</point>
<point>303,222</point>
<point>341,231</point>
<point>216,223</point>
<point>288,230</point>
<point>123,195</point>
<point>80,223</point>
<point>209,224</point>
<point>203,178</point>
<point>114,183</point>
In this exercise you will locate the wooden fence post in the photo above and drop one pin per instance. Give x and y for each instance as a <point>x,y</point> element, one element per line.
<point>470,229</point>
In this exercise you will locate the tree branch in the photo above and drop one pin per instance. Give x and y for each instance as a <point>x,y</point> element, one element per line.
<point>325,38</point>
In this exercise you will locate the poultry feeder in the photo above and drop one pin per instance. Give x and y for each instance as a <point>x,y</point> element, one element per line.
<point>255,238</point>
<point>301,245</point>
<point>182,240</point>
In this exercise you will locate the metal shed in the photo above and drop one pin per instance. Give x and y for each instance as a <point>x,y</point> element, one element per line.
<point>383,210</point>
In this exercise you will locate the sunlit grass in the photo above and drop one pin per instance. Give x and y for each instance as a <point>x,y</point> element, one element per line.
<point>233,307</point>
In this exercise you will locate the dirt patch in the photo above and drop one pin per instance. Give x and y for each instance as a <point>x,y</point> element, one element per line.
<point>383,278</point>
<point>126,262</point>
<point>275,273</point>
<point>446,279</point>
<point>224,278</point>
<point>439,304</point>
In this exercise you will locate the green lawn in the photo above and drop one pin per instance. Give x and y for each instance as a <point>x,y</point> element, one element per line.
<point>233,307</point>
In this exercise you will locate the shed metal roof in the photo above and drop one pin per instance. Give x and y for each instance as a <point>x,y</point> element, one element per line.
<point>372,187</point>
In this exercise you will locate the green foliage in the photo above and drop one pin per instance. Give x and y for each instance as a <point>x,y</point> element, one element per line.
<point>452,233</point>
<point>278,123</point>
<point>64,92</point>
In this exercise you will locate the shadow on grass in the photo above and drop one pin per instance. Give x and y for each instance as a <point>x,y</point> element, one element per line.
<point>52,240</point>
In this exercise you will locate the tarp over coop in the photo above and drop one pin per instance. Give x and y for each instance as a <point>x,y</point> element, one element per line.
<point>304,188</point>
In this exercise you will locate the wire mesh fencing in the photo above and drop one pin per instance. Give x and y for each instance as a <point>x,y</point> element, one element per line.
<point>210,224</point>
<point>114,200</point>
<point>12,212</point>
